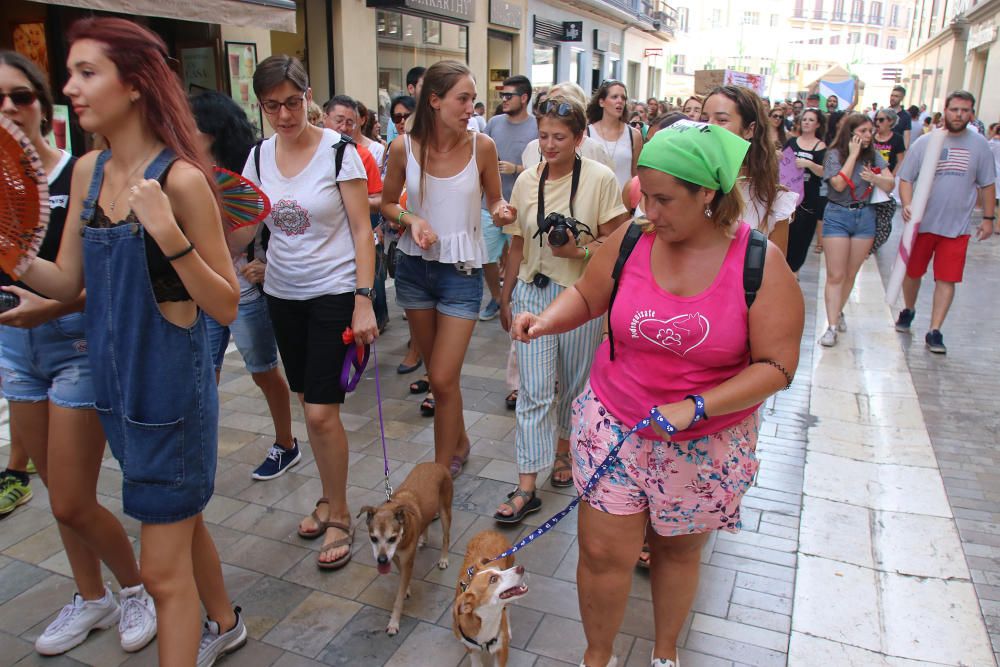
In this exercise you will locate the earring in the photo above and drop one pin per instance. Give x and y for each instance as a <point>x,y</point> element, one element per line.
<point>708,212</point>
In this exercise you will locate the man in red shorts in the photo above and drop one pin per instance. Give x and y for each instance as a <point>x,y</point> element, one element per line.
<point>965,170</point>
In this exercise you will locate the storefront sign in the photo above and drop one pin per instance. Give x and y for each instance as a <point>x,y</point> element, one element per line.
<point>461,10</point>
<point>505,14</point>
<point>980,35</point>
<point>198,68</point>
<point>602,40</point>
<point>572,31</point>
<point>241,63</point>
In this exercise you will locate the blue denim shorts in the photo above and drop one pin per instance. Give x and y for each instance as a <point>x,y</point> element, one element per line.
<point>494,237</point>
<point>840,221</point>
<point>253,334</point>
<point>47,362</point>
<point>426,285</point>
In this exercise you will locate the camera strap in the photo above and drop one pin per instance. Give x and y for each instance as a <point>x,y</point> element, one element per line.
<point>577,168</point>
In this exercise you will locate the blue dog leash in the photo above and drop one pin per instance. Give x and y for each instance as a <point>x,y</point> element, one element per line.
<point>609,460</point>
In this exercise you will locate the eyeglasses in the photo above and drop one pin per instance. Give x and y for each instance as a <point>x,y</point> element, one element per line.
<point>20,98</point>
<point>272,107</point>
<point>400,117</point>
<point>506,96</point>
<point>563,109</point>
<point>776,116</point>
<point>881,119</point>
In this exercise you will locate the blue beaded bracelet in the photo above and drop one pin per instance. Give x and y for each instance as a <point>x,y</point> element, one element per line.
<point>699,407</point>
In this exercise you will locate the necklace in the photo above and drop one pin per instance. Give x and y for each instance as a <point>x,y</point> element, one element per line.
<point>128,179</point>
<point>612,148</point>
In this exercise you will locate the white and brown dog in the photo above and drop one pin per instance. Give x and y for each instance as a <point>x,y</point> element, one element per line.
<point>479,614</point>
<point>398,527</point>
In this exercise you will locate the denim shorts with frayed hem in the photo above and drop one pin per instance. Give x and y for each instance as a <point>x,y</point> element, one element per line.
<point>856,223</point>
<point>47,362</point>
<point>253,334</point>
<point>427,285</point>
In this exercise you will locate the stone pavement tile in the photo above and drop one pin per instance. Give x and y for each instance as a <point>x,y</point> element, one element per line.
<point>309,627</point>
<point>762,600</point>
<point>23,523</point>
<point>263,555</point>
<point>238,579</point>
<point>918,546</point>
<point>427,601</point>
<point>17,577</point>
<point>545,555</point>
<point>552,596</point>
<point>13,648</point>
<point>549,662</point>
<point>734,548</point>
<point>293,660</point>
<point>562,639</point>
<point>253,654</point>
<point>363,640</point>
<point>347,582</point>
<point>748,654</point>
<point>35,660</point>
<point>264,521</point>
<point>40,602</point>
<point>428,646</point>
<point>808,650</point>
<point>221,508</point>
<point>759,618</point>
<point>638,620</point>
<point>736,631</point>
<point>271,491</point>
<point>715,587</point>
<point>837,530</point>
<point>101,648</point>
<point>752,566</point>
<point>267,602</point>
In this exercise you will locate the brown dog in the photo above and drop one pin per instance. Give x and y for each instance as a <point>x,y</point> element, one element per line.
<point>397,527</point>
<point>479,615</point>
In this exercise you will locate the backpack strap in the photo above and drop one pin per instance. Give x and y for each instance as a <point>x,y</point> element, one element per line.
<point>339,148</point>
<point>631,237</point>
<point>256,159</point>
<point>753,265</point>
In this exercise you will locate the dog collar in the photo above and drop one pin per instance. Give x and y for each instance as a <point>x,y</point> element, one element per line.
<point>486,646</point>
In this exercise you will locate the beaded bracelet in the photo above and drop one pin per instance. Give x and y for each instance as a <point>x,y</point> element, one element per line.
<point>771,362</point>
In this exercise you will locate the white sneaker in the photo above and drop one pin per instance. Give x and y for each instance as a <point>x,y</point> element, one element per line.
<point>215,644</point>
<point>75,622</point>
<point>663,662</point>
<point>613,662</point>
<point>829,338</point>
<point>137,626</point>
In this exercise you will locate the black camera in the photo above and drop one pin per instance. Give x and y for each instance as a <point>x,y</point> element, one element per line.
<point>559,227</point>
<point>8,301</point>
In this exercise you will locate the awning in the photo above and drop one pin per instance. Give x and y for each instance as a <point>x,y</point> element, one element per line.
<point>270,14</point>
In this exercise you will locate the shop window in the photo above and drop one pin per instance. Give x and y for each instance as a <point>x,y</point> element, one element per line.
<point>891,43</point>
<point>682,19</point>
<point>834,40</point>
<point>544,61</point>
<point>871,39</point>
<point>751,18</point>
<point>575,65</point>
<point>854,38</point>
<point>633,77</point>
<point>680,63</point>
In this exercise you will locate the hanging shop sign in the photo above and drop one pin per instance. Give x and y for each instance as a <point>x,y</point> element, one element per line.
<point>572,31</point>
<point>506,14</point>
<point>459,10</point>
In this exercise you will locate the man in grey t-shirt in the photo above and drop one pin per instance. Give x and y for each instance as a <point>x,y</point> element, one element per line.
<point>965,170</point>
<point>511,131</point>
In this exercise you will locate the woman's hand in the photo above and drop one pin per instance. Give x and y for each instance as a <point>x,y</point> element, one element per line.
<point>152,206</point>
<point>503,214</point>
<point>505,315</point>
<point>854,148</point>
<point>507,168</point>
<point>568,250</point>
<point>867,174</point>
<point>32,311</point>
<point>803,163</point>
<point>363,321</point>
<point>527,327</point>
<point>254,272</point>
<point>421,231</point>
<point>680,414</point>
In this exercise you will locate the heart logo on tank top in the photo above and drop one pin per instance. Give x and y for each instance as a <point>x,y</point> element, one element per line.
<point>679,334</point>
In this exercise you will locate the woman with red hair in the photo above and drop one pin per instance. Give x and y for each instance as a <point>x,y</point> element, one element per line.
<point>144,235</point>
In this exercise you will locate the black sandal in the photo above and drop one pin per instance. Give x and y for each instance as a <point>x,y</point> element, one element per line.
<point>421,386</point>
<point>560,465</point>
<point>427,407</point>
<point>511,400</point>
<point>531,504</point>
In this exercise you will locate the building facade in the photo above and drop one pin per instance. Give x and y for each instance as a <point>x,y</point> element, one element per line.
<point>954,45</point>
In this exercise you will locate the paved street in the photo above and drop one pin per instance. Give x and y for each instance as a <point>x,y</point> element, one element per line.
<point>872,536</point>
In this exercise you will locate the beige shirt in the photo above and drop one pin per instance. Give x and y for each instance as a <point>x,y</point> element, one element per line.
<point>589,148</point>
<point>598,201</point>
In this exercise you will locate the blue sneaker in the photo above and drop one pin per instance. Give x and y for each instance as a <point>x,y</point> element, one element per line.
<point>278,461</point>
<point>490,312</point>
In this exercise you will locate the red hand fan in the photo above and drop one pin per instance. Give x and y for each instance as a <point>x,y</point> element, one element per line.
<point>24,200</point>
<point>243,203</point>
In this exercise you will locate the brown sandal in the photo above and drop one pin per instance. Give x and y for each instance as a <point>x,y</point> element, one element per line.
<point>321,525</point>
<point>346,541</point>
<point>560,465</point>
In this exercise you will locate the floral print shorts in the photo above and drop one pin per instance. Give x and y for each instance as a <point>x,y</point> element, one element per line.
<point>688,486</point>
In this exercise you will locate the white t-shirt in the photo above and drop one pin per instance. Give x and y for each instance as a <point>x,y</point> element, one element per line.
<point>311,250</point>
<point>754,211</point>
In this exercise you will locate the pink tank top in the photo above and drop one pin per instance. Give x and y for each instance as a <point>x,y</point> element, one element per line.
<point>669,346</point>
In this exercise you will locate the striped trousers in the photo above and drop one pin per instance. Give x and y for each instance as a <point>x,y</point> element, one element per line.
<point>543,416</point>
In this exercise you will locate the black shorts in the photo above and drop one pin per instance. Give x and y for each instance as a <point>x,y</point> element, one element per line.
<point>309,340</point>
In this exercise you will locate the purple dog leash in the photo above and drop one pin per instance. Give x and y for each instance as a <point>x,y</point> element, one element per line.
<point>357,359</point>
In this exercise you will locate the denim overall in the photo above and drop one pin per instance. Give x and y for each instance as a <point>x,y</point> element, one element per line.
<point>153,380</point>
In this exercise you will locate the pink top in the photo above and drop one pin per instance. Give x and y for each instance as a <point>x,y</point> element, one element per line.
<point>669,346</point>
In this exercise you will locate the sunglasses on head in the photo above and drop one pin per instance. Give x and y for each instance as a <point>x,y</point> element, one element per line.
<point>20,98</point>
<point>563,109</point>
<point>400,117</point>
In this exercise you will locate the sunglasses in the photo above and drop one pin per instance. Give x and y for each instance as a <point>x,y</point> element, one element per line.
<point>776,116</point>
<point>507,96</point>
<point>881,120</point>
<point>20,98</point>
<point>636,124</point>
<point>563,109</point>
<point>400,117</point>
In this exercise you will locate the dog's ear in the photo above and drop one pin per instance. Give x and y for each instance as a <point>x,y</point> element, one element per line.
<point>466,603</point>
<point>484,561</point>
<point>369,510</point>
<point>401,516</point>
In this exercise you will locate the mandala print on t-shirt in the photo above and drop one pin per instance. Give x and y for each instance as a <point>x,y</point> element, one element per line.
<point>289,217</point>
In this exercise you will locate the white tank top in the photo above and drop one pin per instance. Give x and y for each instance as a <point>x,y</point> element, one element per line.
<point>451,206</point>
<point>619,151</point>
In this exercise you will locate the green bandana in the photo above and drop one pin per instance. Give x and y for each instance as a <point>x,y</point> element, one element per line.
<point>708,155</point>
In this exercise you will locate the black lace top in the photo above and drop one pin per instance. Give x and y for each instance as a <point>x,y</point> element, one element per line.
<point>167,285</point>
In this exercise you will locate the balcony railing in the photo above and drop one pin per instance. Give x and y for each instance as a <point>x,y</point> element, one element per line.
<point>857,18</point>
<point>662,15</point>
<point>819,15</point>
<point>875,20</point>
<point>838,17</point>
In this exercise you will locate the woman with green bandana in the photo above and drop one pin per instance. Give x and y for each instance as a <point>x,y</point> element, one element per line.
<point>684,340</point>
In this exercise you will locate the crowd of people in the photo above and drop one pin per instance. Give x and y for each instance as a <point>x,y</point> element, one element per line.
<point>640,257</point>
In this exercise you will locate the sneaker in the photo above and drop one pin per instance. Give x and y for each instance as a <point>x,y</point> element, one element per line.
<point>76,621</point>
<point>663,662</point>
<point>613,662</point>
<point>935,342</point>
<point>137,626</point>
<point>278,461</point>
<point>30,468</point>
<point>829,338</point>
<point>490,312</point>
<point>215,645</point>
<point>13,493</point>
<point>842,323</point>
<point>905,320</point>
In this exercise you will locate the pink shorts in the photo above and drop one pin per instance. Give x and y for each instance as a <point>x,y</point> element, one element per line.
<point>688,486</point>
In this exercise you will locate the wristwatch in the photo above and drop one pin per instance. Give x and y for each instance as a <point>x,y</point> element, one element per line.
<point>365,291</point>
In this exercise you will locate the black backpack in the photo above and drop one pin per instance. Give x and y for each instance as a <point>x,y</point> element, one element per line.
<point>753,269</point>
<point>339,147</point>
